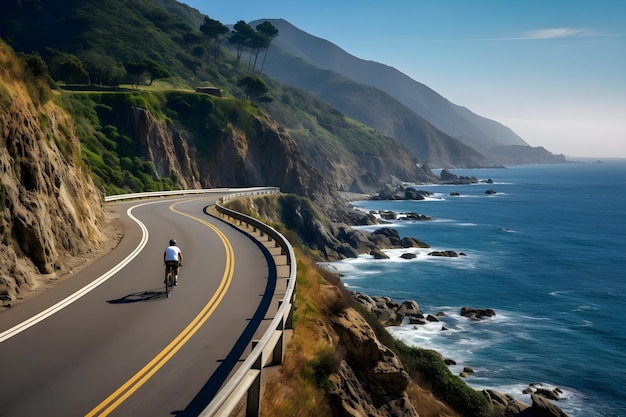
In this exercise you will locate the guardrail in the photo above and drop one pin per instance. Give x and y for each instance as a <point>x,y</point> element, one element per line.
<point>270,348</point>
<point>251,191</point>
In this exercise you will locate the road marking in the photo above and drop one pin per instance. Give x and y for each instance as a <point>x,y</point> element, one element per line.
<point>7,334</point>
<point>134,383</point>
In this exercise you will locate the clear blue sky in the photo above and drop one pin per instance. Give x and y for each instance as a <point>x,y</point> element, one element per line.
<point>554,71</point>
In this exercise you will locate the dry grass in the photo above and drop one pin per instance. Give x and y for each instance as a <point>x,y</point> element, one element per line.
<point>297,389</point>
<point>426,404</point>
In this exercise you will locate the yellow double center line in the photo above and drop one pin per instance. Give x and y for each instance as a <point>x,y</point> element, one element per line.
<point>133,384</point>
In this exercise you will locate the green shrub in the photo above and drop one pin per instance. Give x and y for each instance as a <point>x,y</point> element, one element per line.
<point>446,386</point>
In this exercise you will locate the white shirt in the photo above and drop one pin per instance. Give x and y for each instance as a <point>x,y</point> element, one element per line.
<point>171,253</point>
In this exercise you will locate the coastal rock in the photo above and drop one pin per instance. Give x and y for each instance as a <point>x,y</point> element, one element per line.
<point>477,313</point>
<point>505,405</point>
<point>413,194</point>
<point>387,215</point>
<point>408,256</point>
<point>448,177</point>
<point>378,254</point>
<point>387,311</point>
<point>389,238</point>
<point>378,388</point>
<point>401,193</point>
<point>409,308</point>
<point>490,191</point>
<point>445,253</point>
<point>415,217</point>
<point>542,407</point>
<point>550,393</point>
<point>431,318</point>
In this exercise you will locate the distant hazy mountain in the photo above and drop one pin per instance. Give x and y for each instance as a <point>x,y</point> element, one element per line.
<point>376,109</point>
<point>482,134</point>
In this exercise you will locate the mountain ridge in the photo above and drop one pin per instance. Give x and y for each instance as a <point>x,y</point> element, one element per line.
<point>480,133</point>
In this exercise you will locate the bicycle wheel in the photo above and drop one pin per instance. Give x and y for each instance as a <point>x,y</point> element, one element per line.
<point>169,282</point>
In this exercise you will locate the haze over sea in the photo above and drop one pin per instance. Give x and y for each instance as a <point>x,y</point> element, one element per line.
<point>547,253</point>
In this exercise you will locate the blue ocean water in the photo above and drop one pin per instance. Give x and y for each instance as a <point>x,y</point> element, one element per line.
<point>547,252</point>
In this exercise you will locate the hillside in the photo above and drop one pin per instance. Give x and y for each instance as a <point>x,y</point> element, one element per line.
<point>51,215</point>
<point>377,109</point>
<point>182,50</point>
<point>484,135</point>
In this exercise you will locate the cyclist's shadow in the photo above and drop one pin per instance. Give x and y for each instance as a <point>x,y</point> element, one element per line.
<point>142,296</point>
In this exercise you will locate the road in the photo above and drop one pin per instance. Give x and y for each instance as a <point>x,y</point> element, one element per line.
<point>123,348</point>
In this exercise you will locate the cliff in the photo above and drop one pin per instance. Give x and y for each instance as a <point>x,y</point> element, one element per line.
<point>50,211</point>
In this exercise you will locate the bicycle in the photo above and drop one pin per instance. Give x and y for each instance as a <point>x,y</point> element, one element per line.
<point>170,277</point>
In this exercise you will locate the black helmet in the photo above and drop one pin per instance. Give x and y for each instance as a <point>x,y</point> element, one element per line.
<point>172,242</point>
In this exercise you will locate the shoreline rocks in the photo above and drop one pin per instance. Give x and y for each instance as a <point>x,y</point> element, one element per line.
<point>391,313</point>
<point>477,313</point>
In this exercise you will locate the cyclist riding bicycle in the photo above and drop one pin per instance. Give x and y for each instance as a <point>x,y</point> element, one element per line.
<point>173,257</point>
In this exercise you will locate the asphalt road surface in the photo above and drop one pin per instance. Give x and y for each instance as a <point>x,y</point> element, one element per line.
<point>120,347</point>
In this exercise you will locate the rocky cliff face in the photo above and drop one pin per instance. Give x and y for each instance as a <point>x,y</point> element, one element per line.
<point>371,381</point>
<point>49,208</point>
<point>166,148</point>
<point>263,157</point>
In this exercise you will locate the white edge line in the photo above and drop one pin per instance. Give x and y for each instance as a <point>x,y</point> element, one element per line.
<point>7,334</point>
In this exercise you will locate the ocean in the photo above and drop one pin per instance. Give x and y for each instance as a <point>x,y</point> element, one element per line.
<point>547,252</point>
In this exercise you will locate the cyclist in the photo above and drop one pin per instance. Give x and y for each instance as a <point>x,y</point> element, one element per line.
<point>173,257</point>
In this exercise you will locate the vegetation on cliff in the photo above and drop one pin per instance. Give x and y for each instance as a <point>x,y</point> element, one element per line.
<point>314,356</point>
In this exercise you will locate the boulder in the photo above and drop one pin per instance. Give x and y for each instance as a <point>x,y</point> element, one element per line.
<point>378,254</point>
<point>431,318</point>
<point>409,308</point>
<point>542,407</point>
<point>408,256</point>
<point>415,216</point>
<point>387,215</point>
<point>506,405</point>
<point>445,253</point>
<point>477,313</point>
<point>413,194</point>
<point>378,386</point>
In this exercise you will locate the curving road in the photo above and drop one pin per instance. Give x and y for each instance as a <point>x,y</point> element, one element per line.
<point>124,349</point>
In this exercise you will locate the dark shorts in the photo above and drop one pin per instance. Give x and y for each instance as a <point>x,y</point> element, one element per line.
<point>171,263</point>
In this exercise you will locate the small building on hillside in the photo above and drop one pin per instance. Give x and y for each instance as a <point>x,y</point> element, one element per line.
<point>213,91</point>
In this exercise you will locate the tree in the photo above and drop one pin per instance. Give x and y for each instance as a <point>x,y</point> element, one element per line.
<point>35,64</point>
<point>155,71</point>
<point>103,69</point>
<point>240,38</point>
<point>214,32</point>
<point>256,43</point>
<point>136,71</point>
<point>66,67</point>
<point>270,31</point>
<point>254,88</point>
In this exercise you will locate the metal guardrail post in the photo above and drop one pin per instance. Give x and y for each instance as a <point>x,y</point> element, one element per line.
<point>253,400</point>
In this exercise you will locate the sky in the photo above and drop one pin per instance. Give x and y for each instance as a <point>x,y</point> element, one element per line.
<point>554,71</point>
